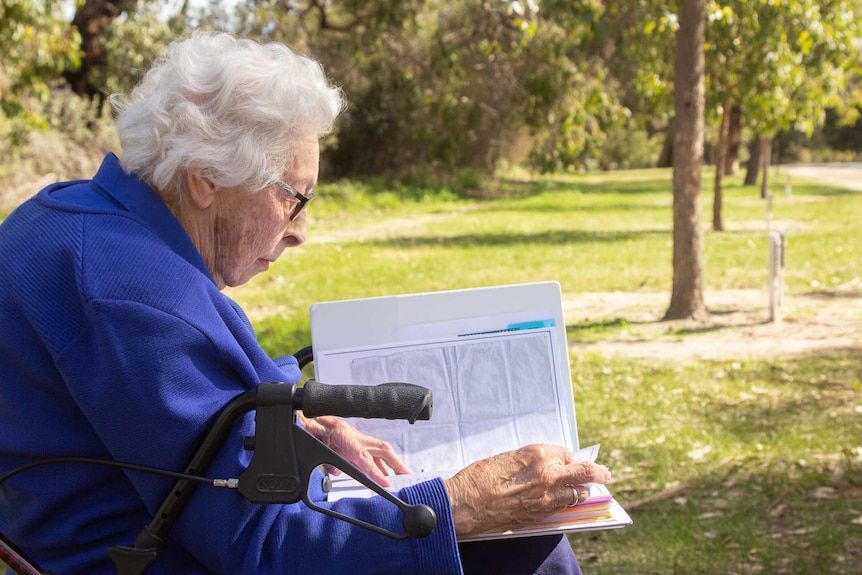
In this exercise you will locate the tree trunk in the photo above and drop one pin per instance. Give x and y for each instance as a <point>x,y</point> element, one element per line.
<point>91,19</point>
<point>720,160</point>
<point>687,296</point>
<point>753,162</point>
<point>665,160</point>
<point>734,140</point>
<point>766,159</point>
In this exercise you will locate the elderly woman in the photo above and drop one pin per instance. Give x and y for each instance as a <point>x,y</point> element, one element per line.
<point>119,344</point>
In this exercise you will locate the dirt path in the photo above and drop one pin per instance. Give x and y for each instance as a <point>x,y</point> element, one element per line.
<point>739,326</point>
<point>846,175</point>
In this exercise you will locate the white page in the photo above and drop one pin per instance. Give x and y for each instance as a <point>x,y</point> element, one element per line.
<point>419,317</point>
<point>492,392</point>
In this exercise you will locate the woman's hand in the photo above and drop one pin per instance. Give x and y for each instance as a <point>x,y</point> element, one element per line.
<point>519,488</point>
<point>372,456</point>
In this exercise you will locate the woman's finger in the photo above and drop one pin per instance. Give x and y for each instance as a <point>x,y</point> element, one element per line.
<point>586,472</point>
<point>575,495</point>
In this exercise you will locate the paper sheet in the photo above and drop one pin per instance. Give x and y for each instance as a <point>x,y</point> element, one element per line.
<point>491,392</point>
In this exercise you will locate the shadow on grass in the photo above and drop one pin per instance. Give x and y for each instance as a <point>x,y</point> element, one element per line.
<point>658,183</point>
<point>553,237</point>
<point>833,294</point>
<point>559,207</point>
<point>591,330</point>
<point>598,326</point>
<point>717,328</point>
<point>826,191</point>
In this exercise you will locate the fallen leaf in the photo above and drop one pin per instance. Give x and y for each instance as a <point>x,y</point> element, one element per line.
<point>779,510</point>
<point>824,492</point>
<point>700,452</point>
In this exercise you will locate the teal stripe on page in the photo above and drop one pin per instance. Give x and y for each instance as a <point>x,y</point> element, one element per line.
<point>530,324</point>
<point>518,326</point>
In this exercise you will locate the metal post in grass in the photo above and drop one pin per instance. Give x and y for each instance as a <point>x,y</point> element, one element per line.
<point>766,194</point>
<point>776,274</point>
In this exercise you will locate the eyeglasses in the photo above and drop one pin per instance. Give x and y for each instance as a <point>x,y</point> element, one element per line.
<point>301,199</point>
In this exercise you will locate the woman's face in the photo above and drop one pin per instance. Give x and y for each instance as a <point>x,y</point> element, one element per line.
<point>249,231</point>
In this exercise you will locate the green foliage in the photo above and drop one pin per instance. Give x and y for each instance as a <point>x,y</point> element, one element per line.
<point>441,94</point>
<point>456,85</point>
<point>130,49</point>
<point>44,47</point>
<point>785,62</point>
<point>843,135</point>
<point>473,85</point>
<point>38,46</point>
<point>626,147</point>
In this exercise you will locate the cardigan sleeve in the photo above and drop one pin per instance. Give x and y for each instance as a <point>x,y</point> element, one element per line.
<point>150,382</point>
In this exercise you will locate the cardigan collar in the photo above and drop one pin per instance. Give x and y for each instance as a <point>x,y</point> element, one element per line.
<point>138,198</point>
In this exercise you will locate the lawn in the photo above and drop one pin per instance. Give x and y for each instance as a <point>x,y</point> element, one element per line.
<point>731,466</point>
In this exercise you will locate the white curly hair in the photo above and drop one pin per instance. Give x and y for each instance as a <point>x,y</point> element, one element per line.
<point>228,107</point>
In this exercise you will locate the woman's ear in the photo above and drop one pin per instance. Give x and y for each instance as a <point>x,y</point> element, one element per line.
<point>201,190</point>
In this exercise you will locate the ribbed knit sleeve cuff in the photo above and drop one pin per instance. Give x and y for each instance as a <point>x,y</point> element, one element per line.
<point>437,553</point>
<point>290,367</point>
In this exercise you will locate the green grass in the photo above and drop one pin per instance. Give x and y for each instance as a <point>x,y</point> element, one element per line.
<point>767,456</point>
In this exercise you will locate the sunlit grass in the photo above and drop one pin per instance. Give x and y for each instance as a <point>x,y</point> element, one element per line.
<point>768,456</point>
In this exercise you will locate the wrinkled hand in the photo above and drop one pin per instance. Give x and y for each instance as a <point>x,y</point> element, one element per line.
<point>519,488</point>
<point>372,456</point>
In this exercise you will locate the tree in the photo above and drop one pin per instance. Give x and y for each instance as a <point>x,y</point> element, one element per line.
<point>783,63</point>
<point>755,153</point>
<point>639,53</point>
<point>687,295</point>
<point>91,19</point>
<point>130,47</point>
<point>734,141</point>
<point>37,48</point>
<point>452,86</point>
<point>779,64</point>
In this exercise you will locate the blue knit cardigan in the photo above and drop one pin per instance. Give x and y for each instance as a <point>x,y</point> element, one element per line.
<point>115,343</point>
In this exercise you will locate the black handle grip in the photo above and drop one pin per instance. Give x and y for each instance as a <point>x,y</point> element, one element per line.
<point>385,401</point>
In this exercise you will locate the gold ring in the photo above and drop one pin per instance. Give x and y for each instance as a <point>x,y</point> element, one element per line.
<point>576,497</point>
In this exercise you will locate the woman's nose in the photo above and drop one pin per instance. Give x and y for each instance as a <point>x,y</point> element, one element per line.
<point>294,235</point>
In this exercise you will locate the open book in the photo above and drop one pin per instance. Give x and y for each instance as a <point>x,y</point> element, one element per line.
<point>496,362</point>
